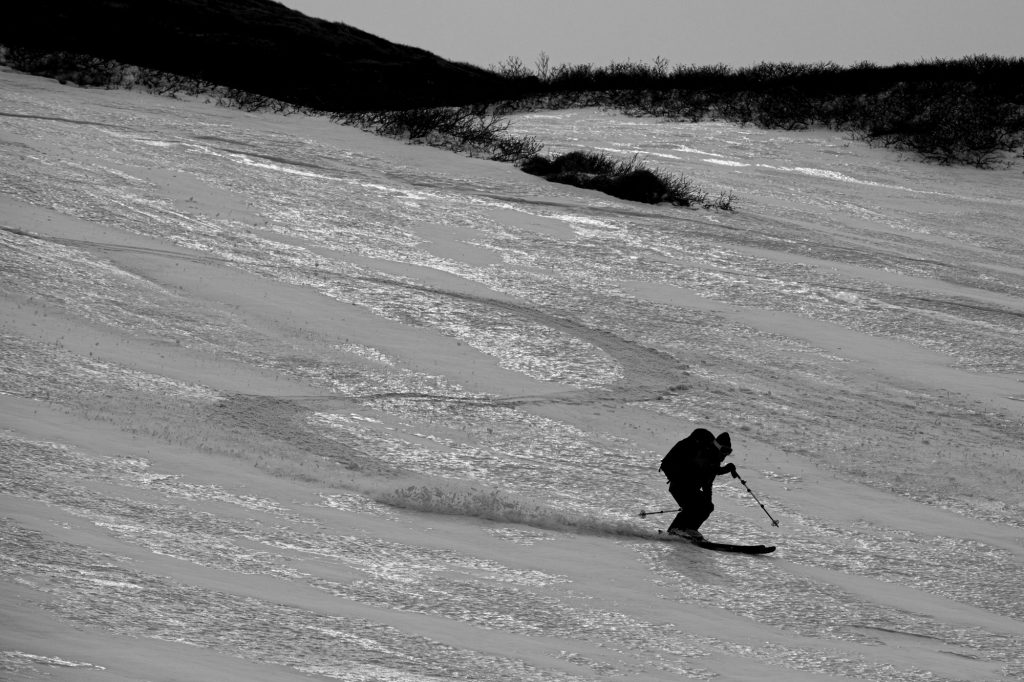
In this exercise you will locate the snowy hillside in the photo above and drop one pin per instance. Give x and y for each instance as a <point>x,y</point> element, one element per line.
<point>283,400</point>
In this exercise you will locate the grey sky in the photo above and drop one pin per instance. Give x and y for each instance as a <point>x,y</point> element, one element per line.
<point>735,32</point>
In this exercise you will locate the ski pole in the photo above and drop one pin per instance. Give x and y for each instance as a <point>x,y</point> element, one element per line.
<point>644,514</point>
<point>736,475</point>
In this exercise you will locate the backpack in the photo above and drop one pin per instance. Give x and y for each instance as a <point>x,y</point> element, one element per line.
<point>678,463</point>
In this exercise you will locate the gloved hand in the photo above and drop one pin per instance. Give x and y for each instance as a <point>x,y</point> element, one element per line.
<point>730,468</point>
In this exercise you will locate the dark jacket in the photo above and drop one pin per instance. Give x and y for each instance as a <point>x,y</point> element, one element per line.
<point>694,462</point>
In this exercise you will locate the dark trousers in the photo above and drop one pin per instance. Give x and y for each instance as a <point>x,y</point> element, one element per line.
<point>695,504</point>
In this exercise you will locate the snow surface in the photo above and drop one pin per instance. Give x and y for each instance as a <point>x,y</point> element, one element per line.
<point>283,400</point>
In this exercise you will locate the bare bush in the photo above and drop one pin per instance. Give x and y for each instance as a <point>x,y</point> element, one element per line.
<point>631,179</point>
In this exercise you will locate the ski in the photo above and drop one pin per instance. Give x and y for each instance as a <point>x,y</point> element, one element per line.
<point>719,546</point>
<point>741,549</point>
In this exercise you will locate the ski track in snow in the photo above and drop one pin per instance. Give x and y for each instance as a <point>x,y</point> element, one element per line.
<point>539,349</point>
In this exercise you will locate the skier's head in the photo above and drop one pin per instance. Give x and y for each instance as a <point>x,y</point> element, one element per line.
<point>724,444</point>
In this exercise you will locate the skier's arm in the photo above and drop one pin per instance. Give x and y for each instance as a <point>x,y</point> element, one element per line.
<point>729,468</point>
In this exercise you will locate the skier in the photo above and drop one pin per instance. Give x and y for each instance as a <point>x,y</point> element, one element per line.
<point>691,467</point>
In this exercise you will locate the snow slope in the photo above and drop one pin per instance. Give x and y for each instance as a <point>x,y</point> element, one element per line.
<point>282,400</point>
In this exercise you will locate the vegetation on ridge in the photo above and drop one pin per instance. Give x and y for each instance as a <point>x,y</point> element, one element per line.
<point>963,111</point>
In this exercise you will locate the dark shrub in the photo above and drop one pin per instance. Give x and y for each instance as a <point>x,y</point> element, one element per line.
<point>638,185</point>
<point>537,165</point>
<point>630,180</point>
<point>579,162</point>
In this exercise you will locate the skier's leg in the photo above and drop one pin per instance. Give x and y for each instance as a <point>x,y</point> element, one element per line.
<point>679,522</point>
<point>702,510</point>
<point>683,495</point>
